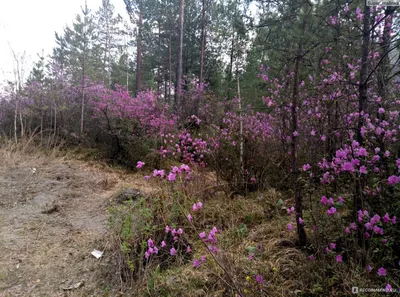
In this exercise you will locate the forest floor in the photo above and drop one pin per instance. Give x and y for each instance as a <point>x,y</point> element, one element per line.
<point>52,216</point>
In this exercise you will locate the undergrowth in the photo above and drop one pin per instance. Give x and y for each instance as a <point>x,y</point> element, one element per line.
<point>255,253</point>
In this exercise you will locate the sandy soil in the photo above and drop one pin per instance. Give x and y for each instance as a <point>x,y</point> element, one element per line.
<point>50,221</point>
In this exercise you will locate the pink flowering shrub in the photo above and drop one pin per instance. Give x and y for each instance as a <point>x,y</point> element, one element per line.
<point>227,144</point>
<point>130,127</point>
<point>145,113</point>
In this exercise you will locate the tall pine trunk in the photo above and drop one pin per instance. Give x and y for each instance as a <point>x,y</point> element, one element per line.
<point>139,54</point>
<point>203,40</point>
<point>295,171</point>
<point>178,81</point>
<point>169,71</point>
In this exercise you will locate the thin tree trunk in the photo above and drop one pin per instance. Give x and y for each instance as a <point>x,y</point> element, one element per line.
<point>82,109</point>
<point>83,96</point>
<point>385,44</point>
<point>55,118</point>
<point>15,119</point>
<point>241,139</point>
<point>169,72</point>
<point>178,82</point>
<point>159,80</point>
<point>295,171</point>
<point>203,40</point>
<point>22,125</point>
<point>230,74</point>
<point>139,54</point>
<point>105,58</point>
<point>41,129</point>
<point>363,87</point>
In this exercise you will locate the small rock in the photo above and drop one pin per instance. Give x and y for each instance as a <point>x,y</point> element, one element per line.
<point>74,286</point>
<point>50,209</point>
<point>127,194</point>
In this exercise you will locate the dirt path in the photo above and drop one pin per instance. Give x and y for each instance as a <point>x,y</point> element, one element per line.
<point>50,221</point>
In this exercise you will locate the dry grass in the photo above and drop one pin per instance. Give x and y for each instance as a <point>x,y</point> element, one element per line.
<point>41,252</point>
<point>254,221</point>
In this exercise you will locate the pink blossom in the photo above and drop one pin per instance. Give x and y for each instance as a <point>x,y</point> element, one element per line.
<point>331,211</point>
<point>386,218</point>
<point>290,227</point>
<point>185,167</point>
<point>381,110</point>
<point>158,173</point>
<point>258,278</point>
<point>199,205</point>
<point>375,219</point>
<point>196,263</point>
<point>175,169</point>
<point>140,164</point>
<point>393,179</point>
<point>163,244</point>
<point>171,176</point>
<point>382,271</point>
<point>290,210</point>
<point>378,230</point>
<point>324,200</point>
<point>348,166</point>
<point>363,170</point>
<point>362,152</point>
<point>172,251</point>
<point>388,288</point>
<point>339,258</point>
<point>189,217</point>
